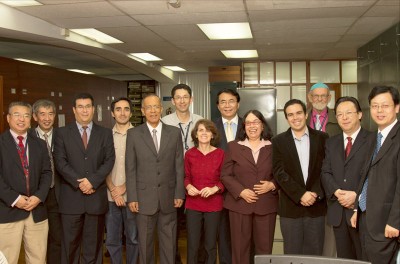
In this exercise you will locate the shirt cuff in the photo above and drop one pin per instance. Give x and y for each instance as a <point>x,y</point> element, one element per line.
<point>16,200</point>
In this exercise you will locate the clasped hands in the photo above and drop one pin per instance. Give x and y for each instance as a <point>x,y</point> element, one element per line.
<point>251,196</point>
<point>346,198</point>
<point>85,186</point>
<point>27,203</point>
<point>308,198</point>
<point>205,192</point>
<point>134,206</point>
<point>117,193</point>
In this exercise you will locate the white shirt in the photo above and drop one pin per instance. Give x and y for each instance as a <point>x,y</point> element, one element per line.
<point>158,128</point>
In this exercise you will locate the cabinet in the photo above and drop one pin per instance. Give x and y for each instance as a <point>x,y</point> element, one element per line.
<point>137,90</point>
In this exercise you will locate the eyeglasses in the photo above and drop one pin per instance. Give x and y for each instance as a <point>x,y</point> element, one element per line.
<point>341,115</point>
<point>317,96</point>
<point>81,107</point>
<point>230,102</point>
<point>19,115</point>
<point>383,107</point>
<point>150,107</point>
<point>184,98</point>
<point>253,123</point>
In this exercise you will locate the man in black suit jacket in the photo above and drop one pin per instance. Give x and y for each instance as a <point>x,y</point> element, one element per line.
<point>379,191</point>
<point>25,178</point>
<point>341,173</point>
<point>297,160</point>
<point>228,102</point>
<point>84,156</point>
<point>154,181</point>
<point>44,113</point>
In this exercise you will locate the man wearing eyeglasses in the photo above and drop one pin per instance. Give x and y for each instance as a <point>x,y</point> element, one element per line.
<point>25,178</point>
<point>341,174</point>
<point>154,181</point>
<point>378,200</point>
<point>84,156</point>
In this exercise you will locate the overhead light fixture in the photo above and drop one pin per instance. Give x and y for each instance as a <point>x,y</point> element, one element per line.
<point>174,68</point>
<point>96,35</point>
<point>20,2</point>
<point>226,30</point>
<point>31,61</point>
<point>236,54</point>
<point>146,56</point>
<point>80,71</point>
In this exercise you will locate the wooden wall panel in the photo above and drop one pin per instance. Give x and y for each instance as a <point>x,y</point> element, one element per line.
<point>33,82</point>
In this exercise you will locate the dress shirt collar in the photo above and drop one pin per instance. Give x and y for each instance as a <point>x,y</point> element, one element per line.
<point>385,132</point>
<point>15,136</point>
<point>158,128</point>
<point>115,130</point>
<point>41,133</point>
<point>353,136</point>
<point>90,126</point>
<point>323,113</point>
<point>306,133</point>
<point>234,120</point>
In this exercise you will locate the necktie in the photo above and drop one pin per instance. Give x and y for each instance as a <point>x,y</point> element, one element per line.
<point>84,137</point>
<point>24,160</point>
<point>348,147</point>
<point>317,122</point>
<point>46,138</point>
<point>155,141</point>
<point>229,132</point>
<point>363,196</point>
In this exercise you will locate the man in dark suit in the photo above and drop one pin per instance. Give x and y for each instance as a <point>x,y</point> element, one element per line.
<point>154,174</point>
<point>228,126</point>
<point>44,113</point>
<point>341,173</point>
<point>297,160</point>
<point>379,191</point>
<point>84,156</point>
<point>25,178</point>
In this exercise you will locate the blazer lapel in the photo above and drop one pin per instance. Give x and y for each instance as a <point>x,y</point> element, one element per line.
<point>148,139</point>
<point>164,138</point>
<point>387,144</point>
<point>293,151</point>
<point>13,152</point>
<point>246,153</point>
<point>360,140</point>
<point>76,135</point>
<point>313,151</point>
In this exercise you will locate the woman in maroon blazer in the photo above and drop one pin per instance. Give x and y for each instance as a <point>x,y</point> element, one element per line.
<point>252,198</point>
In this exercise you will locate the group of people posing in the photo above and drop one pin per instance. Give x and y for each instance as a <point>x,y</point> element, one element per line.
<point>60,188</point>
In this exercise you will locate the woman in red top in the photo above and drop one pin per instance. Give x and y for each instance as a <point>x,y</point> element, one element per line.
<point>204,190</point>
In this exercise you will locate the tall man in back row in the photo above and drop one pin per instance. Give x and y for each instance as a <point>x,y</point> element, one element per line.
<point>84,155</point>
<point>154,174</point>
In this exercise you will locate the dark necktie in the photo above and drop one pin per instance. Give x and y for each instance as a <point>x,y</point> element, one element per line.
<point>348,147</point>
<point>155,139</point>
<point>84,137</point>
<point>363,196</point>
<point>24,160</point>
<point>46,138</point>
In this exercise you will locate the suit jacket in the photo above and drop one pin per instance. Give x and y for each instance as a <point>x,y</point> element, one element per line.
<point>154,179</point>
<point>13,180</point>
<point>341,173</point>
<point>383,193</point>
<point>240,172</point>
<point>223,144</point>
<point>288,174</point>
<point>74,162</point>
<point>332,127</point>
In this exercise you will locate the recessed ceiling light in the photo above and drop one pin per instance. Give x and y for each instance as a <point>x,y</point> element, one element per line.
<point>240,53</point>
<point>80,71</point>
<point>146,56</point>
<point>96,35</point>
<point>174,68</point>
<point>32,61</point>
<point>20,2</point>
<point>226,30</point>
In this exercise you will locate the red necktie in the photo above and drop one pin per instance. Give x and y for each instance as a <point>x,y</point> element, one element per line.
<point>84,136</point>
<point>24,160</point>
<point>348,147</point>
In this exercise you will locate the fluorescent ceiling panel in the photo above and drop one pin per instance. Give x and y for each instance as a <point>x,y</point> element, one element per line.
<point>20,2</point>
<point>80,71</point>
<point>96,35</point>
<point>235,54</point>
<point>32,61</point>
<point>226,30</point>
<point>174,68</point>
<point>146,56</point>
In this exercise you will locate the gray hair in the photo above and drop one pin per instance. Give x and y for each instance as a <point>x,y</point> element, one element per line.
<point>43,103</point>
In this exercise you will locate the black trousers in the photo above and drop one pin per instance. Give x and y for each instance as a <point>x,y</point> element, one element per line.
<point>347,238</point>
<point>55,229</point>
<point>194,221</point>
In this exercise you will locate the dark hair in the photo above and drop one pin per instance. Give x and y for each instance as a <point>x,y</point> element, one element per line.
<point>121,99</point>
<point>83,96</point>
<point>210,126</point>
<point>43,103</point>
<point>348,99</point>
<point>293,102</point>
<point>181,86</point>
<point>384,89</point>
<point>266,134</point>
<point>229,91</point>
<point>19,103</point>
